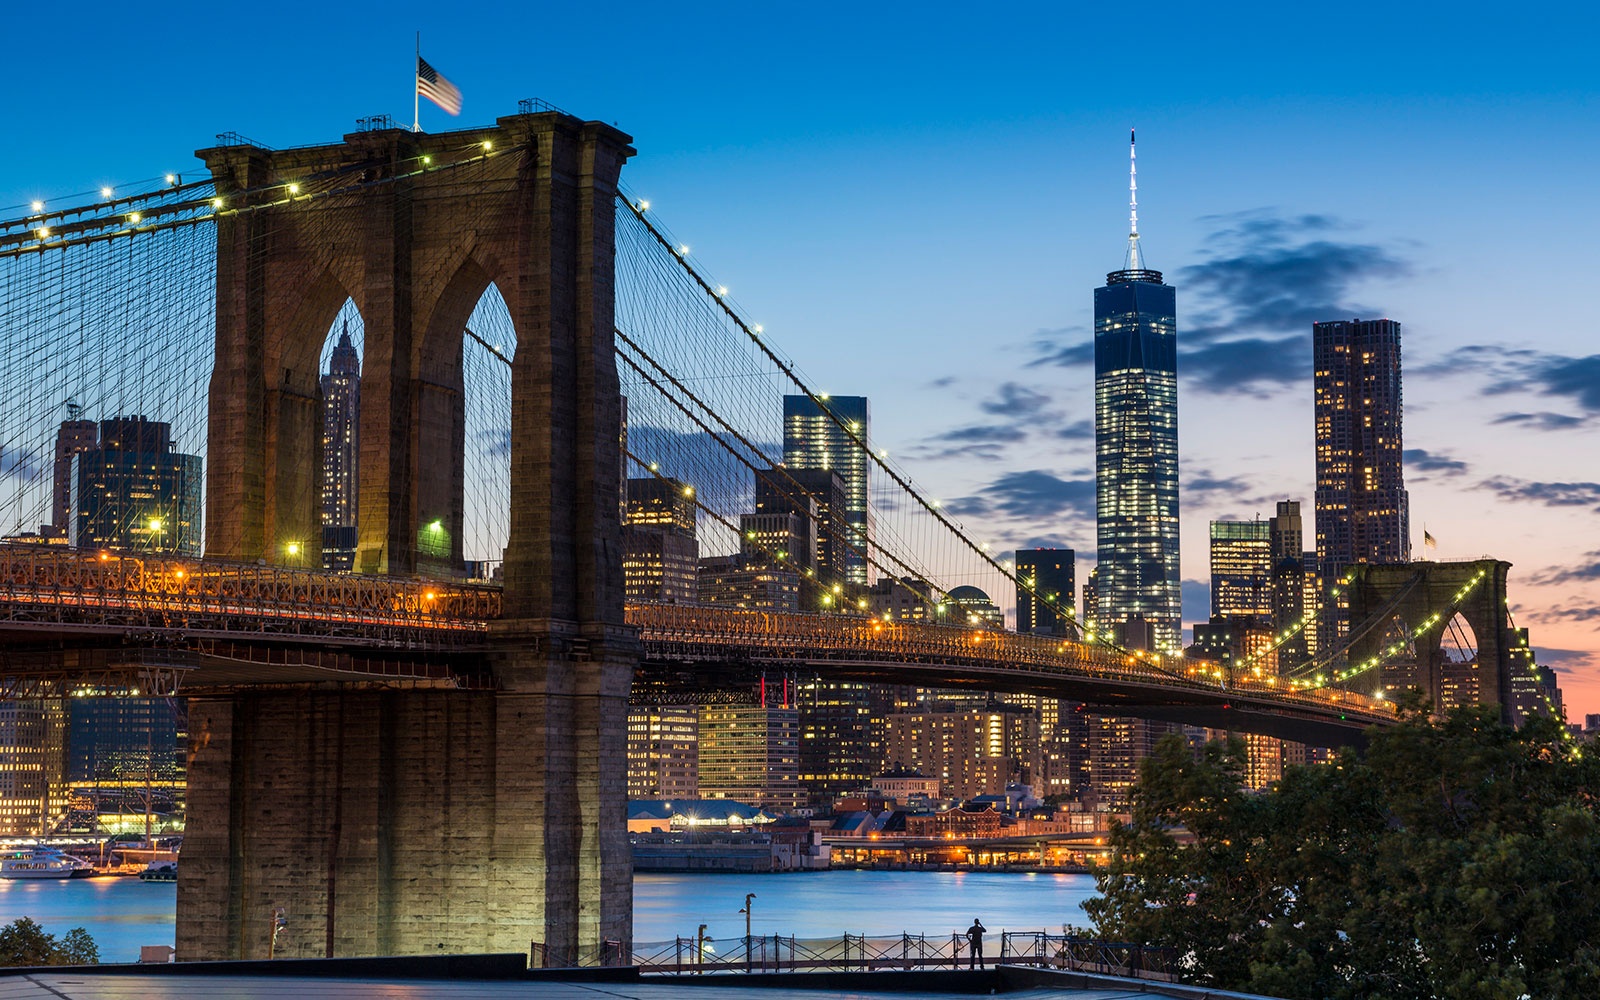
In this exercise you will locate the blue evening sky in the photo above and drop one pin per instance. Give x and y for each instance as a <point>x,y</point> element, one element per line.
<point>933,190</point>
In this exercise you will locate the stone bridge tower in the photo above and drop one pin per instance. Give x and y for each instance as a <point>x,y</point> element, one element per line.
<point>1426,596</point>
<point>420,821</point>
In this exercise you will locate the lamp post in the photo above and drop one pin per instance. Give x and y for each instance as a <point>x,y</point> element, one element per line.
<point>748,957</point>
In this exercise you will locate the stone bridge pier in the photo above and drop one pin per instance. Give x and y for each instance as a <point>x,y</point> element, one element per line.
<point>350,820</point>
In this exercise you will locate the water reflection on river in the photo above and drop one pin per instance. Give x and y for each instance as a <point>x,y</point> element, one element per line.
<point>123,913</point>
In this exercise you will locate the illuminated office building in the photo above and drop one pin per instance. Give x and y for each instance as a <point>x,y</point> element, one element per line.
<point>133,492</point>
<point>836,439</point>
<point>1241,569</point>
<point>1136,453</point>
<point>33,765</point>
<point>1046,604</point>
<point>970,752</point>
<point>751,754</point>
<point>660,556</point>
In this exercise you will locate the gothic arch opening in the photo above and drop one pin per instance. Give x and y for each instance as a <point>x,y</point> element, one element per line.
<point>339,395</point>
<point>489,345</point>
<point>1460,679</point>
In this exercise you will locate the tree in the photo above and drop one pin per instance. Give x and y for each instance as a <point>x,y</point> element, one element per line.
<point>1457,859</point>
<point>23,942</point>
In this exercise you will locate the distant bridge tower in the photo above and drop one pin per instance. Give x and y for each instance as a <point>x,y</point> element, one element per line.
<point>421,821</point>
<point>1425,596</point>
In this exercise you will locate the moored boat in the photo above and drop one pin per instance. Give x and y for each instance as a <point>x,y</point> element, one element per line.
<point>160,871</point>
<point>44,862</point>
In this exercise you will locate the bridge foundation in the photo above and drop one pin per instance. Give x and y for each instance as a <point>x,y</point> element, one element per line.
<point>407,822</point>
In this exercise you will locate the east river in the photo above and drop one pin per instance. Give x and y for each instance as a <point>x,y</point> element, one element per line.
<point>124,913</point>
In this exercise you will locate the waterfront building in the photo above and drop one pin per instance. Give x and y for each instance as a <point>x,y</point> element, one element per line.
<point>1362,508</point>
<point>1045,605</point>
<point>906,785</point>
<point>133,491</point>
<point>33,763</point>
<point>971,752</point>
<point>833,434</point>
<point>1136,451</point>
<point>1241,569</point>
<point>341,453</point>
<point>663,752</point>
<point>751,754</point>
<point>1116,745</point>
<point>842,737</point>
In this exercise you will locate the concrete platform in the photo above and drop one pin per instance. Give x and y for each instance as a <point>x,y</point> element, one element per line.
<point>252,982</point>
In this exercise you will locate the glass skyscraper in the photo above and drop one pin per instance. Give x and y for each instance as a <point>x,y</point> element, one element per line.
<point>812,439</point>
<point>1136,454</point>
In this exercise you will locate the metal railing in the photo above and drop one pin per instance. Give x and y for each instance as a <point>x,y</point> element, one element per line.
<point>45,585</point>
<point>863,953</point>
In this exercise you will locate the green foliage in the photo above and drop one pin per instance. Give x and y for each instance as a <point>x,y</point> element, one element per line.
<point>1457,860</point>
<point>23,942</point>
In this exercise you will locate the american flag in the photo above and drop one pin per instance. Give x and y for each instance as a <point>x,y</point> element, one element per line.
<point>436,88</point>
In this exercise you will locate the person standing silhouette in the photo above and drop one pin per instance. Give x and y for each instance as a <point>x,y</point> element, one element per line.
<point>975,944</point>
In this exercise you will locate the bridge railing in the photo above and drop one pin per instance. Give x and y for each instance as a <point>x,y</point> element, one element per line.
<point>674,629</point>
<point>48,584</point>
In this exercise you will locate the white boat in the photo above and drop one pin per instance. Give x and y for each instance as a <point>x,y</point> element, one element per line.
<point>160,871</point>
<point>43,862</point>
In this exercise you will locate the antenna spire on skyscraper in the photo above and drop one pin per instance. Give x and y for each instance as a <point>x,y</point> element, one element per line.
<point>1135,261</point>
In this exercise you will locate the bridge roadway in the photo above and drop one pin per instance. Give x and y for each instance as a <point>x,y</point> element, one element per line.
<point>66,613</point>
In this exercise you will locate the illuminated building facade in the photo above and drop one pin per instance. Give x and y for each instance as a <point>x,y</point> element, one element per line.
<point>1136,454</point>
<point>841,736</point>
<point>1241,569</point>
<point>971,753</point>
<point>1116,744</point>
<point>1293,590</point>
<point>660,556</point>
<point>664,752</point>
<point>739,582</point>
<point>1047,604</point>
<point>1362,509</point>
<point>33,785</point>
<point>133,492</point>
<point>751,754</point>
<point>971,606</point>
<point>341,454</point>
<point>812,439</point>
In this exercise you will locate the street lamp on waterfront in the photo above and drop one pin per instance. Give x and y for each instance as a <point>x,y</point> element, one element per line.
<point>748,957</point>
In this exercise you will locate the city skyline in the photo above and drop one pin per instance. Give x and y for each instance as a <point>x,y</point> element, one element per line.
<point>862,244</point>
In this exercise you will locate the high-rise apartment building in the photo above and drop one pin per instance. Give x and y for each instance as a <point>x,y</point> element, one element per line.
<point>1241,569</point>
<point>33,765</point>
<point>819,499</point>
<point>1292,591</point>
<point>1136,451</point>
<point>836,438</point>
<point>664,752</point>
<point>1362,506</point>
<point>971,752</point>
<point>1046,603</point>
<point>842,738</point>
<point>341,454</point>
<point>132,491</point>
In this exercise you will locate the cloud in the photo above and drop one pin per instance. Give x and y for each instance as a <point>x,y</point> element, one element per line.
<point>1577,378</point>
<point>1067,348</point>
<point>1210,490</point>
<point>495,443</point>
<point>1426,461</point>
<point>1267,279</point>
<point>1573,613</point>
<point>1016,401</point>
<point>1543,420</point>
<point>985,434</point>
<point>1584,572</point>
<point>1548,494</point>
<point>1079,430</point>
<point>19,465</point>
<point>1562,660</point>
<point>1033,494</point>
<point>1196,600</point>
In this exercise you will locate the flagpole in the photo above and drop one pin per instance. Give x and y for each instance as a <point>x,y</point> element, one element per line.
<point>416,98</point>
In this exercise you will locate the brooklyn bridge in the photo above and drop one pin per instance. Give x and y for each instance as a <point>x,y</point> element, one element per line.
<point>426,752</point>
